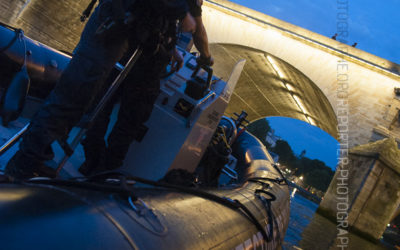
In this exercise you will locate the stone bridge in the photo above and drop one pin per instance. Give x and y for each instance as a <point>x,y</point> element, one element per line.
<point>290,71</point>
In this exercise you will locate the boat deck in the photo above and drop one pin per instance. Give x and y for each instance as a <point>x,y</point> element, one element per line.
<point>70,168</point>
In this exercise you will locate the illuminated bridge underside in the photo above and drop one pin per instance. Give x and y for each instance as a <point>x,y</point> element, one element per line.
<point>269,86</point>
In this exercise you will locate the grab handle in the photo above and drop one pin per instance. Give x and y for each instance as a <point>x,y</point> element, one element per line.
<point>209,71</point>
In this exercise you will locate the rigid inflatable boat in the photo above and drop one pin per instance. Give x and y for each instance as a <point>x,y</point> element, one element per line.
<point>195,180</point>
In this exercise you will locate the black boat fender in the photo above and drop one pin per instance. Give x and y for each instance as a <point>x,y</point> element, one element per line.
<point>13,99</point>
<point>22,60</point>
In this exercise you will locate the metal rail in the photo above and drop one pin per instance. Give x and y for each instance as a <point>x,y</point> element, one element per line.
<point>8,144</point>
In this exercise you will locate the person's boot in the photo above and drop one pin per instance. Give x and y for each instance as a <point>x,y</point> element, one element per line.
<point>22,167</point>
<point>90,167</point>
<point>112,162</point>
<point>94,160</point>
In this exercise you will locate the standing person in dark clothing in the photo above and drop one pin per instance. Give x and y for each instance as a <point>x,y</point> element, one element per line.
<point>84,78</point>
<point>138,94</point>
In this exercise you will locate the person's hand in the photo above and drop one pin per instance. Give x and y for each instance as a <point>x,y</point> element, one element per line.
<point>206,61</point>
<point>188,23</point>
<point>176,61</point>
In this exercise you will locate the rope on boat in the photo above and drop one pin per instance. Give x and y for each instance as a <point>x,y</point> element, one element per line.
<point>8,26</point>
<point>122,189</point>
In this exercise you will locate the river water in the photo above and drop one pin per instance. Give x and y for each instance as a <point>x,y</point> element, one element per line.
<point>309,230</point>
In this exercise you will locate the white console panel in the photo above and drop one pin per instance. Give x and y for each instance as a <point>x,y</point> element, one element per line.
<point>179,128</point>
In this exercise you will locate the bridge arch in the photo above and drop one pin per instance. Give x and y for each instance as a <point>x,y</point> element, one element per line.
<point>270,86</point>
<point>371,105</point>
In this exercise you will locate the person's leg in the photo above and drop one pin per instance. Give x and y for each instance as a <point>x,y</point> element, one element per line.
<point>79,84</point>
<point>139,93</point>
<point>94,145</point>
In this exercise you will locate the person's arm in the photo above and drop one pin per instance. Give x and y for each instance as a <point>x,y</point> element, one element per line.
<point>200,40</point>
<point>176,61</point>
<point>188,23</point>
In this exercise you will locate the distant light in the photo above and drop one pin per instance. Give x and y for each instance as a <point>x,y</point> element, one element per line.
<point>276,68</point>
<point>310,120</point>
<point>289,87</point>
<point>294,192</point>
<point>298,101</point>
<point>388,225</point>
<point>295,97</point>
<point>301,178</point>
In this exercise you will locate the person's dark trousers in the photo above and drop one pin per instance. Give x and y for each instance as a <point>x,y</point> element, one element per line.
<point>78,86</point>
<point>138,95</point>
<point>94,145</point>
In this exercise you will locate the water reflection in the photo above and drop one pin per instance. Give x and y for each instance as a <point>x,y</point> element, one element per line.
<point>308,230</point>
<point>293,193</point>
<point>322,234</point>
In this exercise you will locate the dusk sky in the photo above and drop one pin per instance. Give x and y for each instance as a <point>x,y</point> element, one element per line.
<point>303,136</point>
<point>374,25</point>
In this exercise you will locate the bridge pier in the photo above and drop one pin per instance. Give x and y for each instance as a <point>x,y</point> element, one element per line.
<point>365,191</point>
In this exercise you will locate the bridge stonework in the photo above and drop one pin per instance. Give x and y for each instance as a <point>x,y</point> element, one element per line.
<point>10,10</point>
<point>365,193</point>
<point>54,23</point>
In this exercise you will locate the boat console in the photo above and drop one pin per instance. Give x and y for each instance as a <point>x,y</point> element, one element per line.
<point>184,119</point>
